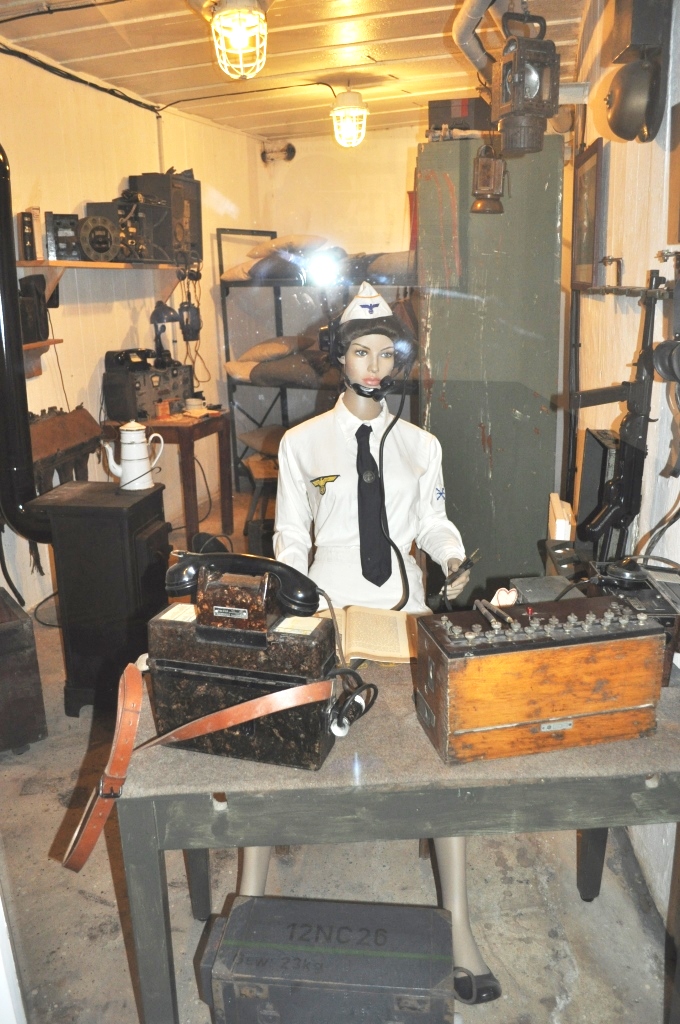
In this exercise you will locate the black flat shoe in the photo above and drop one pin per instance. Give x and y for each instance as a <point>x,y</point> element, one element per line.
<point>475,988</point>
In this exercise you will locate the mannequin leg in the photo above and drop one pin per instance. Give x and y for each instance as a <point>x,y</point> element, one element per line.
<point>255,868</point>
<point>451,862</point>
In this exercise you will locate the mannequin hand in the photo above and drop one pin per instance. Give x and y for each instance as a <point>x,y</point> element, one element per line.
<point>459,585</point>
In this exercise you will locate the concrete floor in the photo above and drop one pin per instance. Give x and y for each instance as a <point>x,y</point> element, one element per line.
<point>560,961</point>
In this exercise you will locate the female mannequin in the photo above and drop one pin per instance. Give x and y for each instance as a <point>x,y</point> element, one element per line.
<point>320,489</point>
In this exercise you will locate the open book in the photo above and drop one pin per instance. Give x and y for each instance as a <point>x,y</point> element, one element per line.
<point>375,634</point>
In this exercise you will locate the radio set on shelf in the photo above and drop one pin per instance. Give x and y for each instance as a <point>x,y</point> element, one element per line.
<point>132,384</point>
<point>179,195</point>
<point>156,220</point>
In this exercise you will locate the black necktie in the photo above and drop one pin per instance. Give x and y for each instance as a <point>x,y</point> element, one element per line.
<point>376,557</point>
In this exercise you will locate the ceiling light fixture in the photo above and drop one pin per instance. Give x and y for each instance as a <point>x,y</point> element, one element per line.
<point>349,114</point>
<point>239,31</point>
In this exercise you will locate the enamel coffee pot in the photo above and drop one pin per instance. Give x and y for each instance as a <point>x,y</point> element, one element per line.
<point>135,466</point>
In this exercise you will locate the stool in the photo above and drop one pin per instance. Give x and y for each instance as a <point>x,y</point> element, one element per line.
<point>263,471</point>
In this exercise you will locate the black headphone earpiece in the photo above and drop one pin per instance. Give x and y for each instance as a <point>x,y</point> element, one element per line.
<point>181,273</point>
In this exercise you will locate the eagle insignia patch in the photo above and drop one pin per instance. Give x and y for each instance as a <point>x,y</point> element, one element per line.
<point>321,482</point>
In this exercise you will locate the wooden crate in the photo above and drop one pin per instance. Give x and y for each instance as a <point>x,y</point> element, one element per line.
<point>507,692</point>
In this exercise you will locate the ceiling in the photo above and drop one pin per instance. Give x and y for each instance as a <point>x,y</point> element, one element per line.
<point>398,53</point>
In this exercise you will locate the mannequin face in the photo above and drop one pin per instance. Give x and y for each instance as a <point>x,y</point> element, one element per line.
<point>368,359</point>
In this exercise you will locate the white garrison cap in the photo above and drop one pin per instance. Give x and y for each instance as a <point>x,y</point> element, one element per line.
<point>367,304</point>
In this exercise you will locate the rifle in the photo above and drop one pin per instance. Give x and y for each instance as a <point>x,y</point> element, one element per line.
<point>622,496</point>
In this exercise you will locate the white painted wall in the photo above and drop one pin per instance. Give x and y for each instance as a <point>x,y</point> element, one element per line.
<point>356,198</point>
<point>636,214</point>
<point>68,144</point>
<point>84,151</point>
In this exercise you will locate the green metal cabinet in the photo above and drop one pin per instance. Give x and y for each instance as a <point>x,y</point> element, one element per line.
<point>490,345</point>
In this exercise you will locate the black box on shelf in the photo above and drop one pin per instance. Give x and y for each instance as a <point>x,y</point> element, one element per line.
<point>61,232</point>
<point>180,231</point>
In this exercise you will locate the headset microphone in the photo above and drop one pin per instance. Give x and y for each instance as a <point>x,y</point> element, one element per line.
<point>387,385</point>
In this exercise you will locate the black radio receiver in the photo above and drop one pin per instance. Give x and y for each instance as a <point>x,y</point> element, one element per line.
<point>132,384</point>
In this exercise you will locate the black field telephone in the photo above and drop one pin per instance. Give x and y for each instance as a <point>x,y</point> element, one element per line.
<point>239,598</point>
<point>295,593</point>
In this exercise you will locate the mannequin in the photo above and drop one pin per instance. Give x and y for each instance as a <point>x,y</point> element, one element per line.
<point>319,490</point>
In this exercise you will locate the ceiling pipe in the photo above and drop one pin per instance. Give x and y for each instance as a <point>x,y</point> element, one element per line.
<point>464,35</point>
<point>17,487</point>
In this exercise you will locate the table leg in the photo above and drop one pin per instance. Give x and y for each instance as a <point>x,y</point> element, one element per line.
<point>149,911</point>
<point>591,844</point>
<point>198,876</point>
<point>187,472</point>
<point>226,498</point>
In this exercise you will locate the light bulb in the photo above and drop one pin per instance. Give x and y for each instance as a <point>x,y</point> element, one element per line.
<point>239,30</point>
<point>349,114</point>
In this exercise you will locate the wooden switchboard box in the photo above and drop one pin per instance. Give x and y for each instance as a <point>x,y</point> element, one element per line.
<point>562,674</point>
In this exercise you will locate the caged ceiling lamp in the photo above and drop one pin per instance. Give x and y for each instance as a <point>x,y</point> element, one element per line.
<point>239,31</point>
<point>349,114</point>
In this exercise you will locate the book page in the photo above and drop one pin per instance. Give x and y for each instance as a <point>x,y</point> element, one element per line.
<point>377,634</point>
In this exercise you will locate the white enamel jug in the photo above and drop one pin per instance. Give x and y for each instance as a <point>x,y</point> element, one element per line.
<point>135,466</point>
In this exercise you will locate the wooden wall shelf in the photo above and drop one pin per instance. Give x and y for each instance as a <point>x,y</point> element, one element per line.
<point>54,270</point>
<point>33,352</point>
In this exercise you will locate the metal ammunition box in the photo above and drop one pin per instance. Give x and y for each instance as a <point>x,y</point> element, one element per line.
<point>288,961</point>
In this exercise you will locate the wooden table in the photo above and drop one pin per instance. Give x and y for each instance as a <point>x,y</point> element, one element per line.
<point>383,781</point>
<point>184,432</point>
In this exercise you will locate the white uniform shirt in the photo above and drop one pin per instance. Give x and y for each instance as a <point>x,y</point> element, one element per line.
<point>317,491</point>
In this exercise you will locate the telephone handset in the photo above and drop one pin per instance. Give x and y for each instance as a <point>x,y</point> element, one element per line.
<point>296,594</point>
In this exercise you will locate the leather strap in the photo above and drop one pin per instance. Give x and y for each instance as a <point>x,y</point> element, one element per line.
<point>130,693</point>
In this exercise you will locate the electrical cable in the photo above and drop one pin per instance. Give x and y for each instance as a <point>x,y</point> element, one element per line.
<point>216,536</point>
<point>245,92</point>
<point>338,635</point>
<point>9,51</point>
<point>48,8</point>
<point>578,583</point>
<point>351,704</point>
<point>52,625</point>
<point>384,526</point>
<point>660,529</point>
<point>182,526</point>
<point>657,558</point>
<point>205,481</point>
<point>56,353</point>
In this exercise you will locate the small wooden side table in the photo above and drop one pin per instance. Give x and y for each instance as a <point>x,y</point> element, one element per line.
<point>184,431</point>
